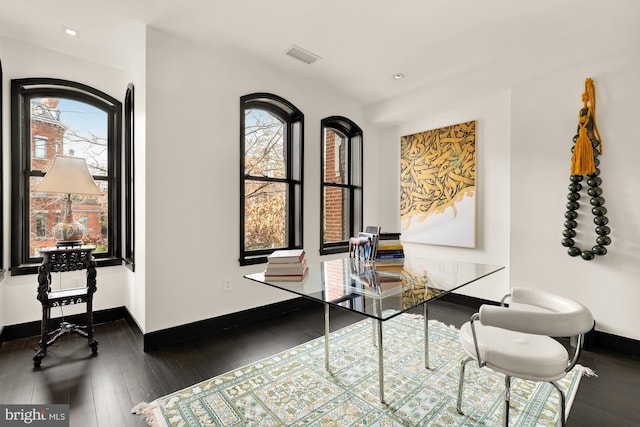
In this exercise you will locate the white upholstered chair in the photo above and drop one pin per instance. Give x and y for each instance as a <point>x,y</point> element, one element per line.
<point>517,340</point>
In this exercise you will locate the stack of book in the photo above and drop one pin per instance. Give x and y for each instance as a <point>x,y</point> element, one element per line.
<point>390,250</point>
<point>287,265</point>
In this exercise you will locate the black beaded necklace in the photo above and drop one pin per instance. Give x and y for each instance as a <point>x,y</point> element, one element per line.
<point>586,132</point>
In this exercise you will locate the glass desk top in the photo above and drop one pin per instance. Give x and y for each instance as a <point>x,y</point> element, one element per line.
<point>381,291</point>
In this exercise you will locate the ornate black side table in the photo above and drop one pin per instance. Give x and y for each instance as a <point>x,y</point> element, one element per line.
<point>62,259</point>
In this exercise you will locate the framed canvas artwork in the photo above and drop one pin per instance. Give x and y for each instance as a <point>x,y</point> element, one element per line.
<point>438,186</point>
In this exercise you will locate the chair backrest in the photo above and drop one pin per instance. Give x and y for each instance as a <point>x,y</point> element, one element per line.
<point>561,317</point>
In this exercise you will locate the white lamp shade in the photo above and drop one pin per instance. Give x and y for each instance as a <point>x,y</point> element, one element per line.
<point>68,175</point>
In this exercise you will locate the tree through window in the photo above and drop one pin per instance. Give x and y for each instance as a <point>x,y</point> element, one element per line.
<point>271,176</point>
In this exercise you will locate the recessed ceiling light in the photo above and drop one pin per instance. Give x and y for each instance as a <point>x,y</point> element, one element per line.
<point>398,76</point>
<point>70,31</point>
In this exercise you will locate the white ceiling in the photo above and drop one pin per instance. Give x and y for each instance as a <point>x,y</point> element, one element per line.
<point>362,43</point>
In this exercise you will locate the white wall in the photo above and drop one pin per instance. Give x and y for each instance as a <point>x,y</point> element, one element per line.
<point>192,175</point>
<point>18,293</point>
<point>493,139</point>
<point>545,117</point>
<point>525,130</point>
<point>136,74</point>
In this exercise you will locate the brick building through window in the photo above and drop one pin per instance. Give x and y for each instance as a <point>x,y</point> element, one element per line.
<point>334,198</point>
<point>341,168</point>
<point>48,140</point>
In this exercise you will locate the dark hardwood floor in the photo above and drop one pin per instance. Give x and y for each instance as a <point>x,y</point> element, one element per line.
<point>101,390</point>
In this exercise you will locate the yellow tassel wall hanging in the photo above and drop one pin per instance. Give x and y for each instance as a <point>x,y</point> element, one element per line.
<point>584,162</point>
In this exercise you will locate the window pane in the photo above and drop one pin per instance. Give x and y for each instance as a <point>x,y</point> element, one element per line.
<point>357,211</point>
<point>336,214</point>
<point>71,128</point>
<point>265,150</point>
<point>265,215</point>
<point>40,149</point>
<point>297,159</point>
<point>356,161</point>
<point>297,212</point>
<point>47,209</point>
<point>335,158</point>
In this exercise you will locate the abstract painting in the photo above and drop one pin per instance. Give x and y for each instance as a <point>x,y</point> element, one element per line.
<point>438,186</point>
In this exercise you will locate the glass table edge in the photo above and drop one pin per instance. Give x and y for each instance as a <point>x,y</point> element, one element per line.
<point>386,315</point>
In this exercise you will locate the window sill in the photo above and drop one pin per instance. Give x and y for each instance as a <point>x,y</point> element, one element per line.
<point>25,269</point>
<point>253,261</point>
<point>334,250</point>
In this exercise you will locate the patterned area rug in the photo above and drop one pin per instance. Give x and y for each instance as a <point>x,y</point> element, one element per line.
<point>293,389</point>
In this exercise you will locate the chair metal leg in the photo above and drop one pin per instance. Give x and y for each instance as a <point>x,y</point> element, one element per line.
<point>463,365</point>
<point>507,398</point>
<point>562,403</point>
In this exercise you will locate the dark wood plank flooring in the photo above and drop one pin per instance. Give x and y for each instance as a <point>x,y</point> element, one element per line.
<point>102,390</point>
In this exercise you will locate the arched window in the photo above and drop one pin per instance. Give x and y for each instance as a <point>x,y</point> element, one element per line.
<point>50,117</point>
<point>271,149</point>
<point>341,195</point>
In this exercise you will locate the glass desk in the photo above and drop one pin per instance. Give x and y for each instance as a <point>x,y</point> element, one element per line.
<point>381,292</point>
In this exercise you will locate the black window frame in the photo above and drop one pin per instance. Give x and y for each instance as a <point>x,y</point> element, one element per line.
<point>22,91</point>
<point>129,177</point>
<point>292,118</point>
<point>354,135</point>
<point>1,177</point>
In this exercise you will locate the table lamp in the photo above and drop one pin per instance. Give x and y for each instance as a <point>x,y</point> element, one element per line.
<point>69,175</point>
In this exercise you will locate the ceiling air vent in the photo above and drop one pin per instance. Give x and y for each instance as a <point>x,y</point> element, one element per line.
<point>302,55</point>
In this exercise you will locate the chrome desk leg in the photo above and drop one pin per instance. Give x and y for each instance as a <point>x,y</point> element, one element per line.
<point>375,324</point>
<point>426,336</point>
<point>374,334</point>
<point>326,336</point>
<point>380,364</point>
